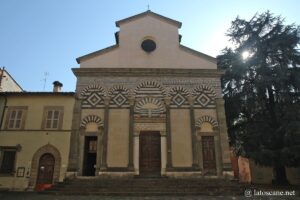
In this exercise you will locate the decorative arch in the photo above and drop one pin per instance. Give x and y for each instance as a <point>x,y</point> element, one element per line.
<point>180,89</point>
<point>204,96</point>
<point>50,149</point>
<point>149,107</point>
<point>152,88</point>
<point>119,96</point>
<point>208,119</point>
<point>91,119</point>
<point>93,96</point>
<point>179,97</point>
<point>118,89</point>
<point>91,88</point>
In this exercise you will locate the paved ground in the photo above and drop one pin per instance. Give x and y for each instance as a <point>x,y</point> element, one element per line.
<point>36,196</point>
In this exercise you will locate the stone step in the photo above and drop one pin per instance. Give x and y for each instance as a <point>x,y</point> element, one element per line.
<point>148,186</point>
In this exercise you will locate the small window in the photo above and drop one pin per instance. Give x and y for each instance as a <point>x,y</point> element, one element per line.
<point>8,161</point>
<point>16,117</point>
<point>53,117</point>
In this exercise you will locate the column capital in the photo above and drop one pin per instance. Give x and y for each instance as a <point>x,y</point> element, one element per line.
<point>131,100</point>
<point>167,100</point>
<point>191,100</point>
<point>106,100</point>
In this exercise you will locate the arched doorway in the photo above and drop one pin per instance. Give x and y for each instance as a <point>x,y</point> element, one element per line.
<point>46,169</point>
<point>35,165</point>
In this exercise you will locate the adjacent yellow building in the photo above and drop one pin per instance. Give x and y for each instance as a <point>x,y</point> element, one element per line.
<point>34,124</point>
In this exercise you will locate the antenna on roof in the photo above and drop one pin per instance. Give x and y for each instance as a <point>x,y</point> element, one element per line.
<point>45,79</point>
<point>148,7</point>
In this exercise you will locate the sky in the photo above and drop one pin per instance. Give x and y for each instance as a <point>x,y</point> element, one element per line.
<point>40,39</point>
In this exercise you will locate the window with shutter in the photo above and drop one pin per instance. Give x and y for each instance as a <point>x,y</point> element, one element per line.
<point>16,117</point>
<point>52,119</point>
<point>7,161</point>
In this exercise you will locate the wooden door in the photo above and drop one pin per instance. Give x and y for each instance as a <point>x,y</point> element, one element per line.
<point>150,153</point>
<point>209,158</point>
<point>46,169</point>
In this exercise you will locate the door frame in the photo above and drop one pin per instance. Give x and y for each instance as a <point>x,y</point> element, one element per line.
<point>87,139</point>
<point>209,171</point>
<point>159,149</point>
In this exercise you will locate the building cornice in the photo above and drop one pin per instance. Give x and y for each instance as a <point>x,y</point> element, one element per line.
<point>146,72</point>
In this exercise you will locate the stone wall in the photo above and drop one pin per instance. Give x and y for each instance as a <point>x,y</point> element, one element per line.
<point>176,101</point>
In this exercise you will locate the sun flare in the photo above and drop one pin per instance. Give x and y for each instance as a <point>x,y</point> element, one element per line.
<point>245,55</point>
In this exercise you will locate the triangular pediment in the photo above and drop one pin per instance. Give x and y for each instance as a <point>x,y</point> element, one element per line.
<point>128,52</point>
<point>149,13</point>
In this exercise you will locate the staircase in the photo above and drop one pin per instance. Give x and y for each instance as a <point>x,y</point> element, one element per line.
<point>146,186</point>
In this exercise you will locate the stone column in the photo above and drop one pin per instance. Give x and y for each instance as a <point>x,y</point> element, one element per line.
<point>163,141</point>
<point>99,151</point>
<point>131,129</point>
<point>136,153</point>
<point>105,134</point>
<point>226,163</point>
<point>168,133</point>
<point>73,165</point>
<point>193,133</point>
<point>218,154</point>
<point>200,152</point>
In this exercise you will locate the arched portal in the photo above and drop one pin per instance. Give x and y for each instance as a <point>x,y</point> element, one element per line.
<point>46,151</point>
<point>91,139</point>
<point>150,137</point>
<point>207,130</point>
<point>46,169</point>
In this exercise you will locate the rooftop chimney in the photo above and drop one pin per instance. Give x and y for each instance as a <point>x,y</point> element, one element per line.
<point>57,86</point>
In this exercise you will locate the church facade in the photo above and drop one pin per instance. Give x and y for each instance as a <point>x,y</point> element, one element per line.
<point>148,106</point>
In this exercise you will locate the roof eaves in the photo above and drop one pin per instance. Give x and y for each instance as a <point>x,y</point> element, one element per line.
<point>101,51</point>
<point>198,53</point>
<point>38,93</point>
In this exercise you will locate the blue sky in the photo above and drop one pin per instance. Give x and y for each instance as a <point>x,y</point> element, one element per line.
<point>38,36</point>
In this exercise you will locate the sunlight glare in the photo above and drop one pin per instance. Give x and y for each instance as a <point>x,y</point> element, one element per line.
<point>245,55</point>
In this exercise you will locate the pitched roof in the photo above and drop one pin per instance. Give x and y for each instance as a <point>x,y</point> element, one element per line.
<point>95,53</point>
<point>37,93</point>
<point>198,53</point>
<point>12,78</point>
<point>148,12</point>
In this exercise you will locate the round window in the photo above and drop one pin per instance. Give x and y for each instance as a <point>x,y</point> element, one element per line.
<point>148,45</point>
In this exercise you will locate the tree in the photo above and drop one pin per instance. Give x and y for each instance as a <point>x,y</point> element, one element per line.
<point>261,88</point>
